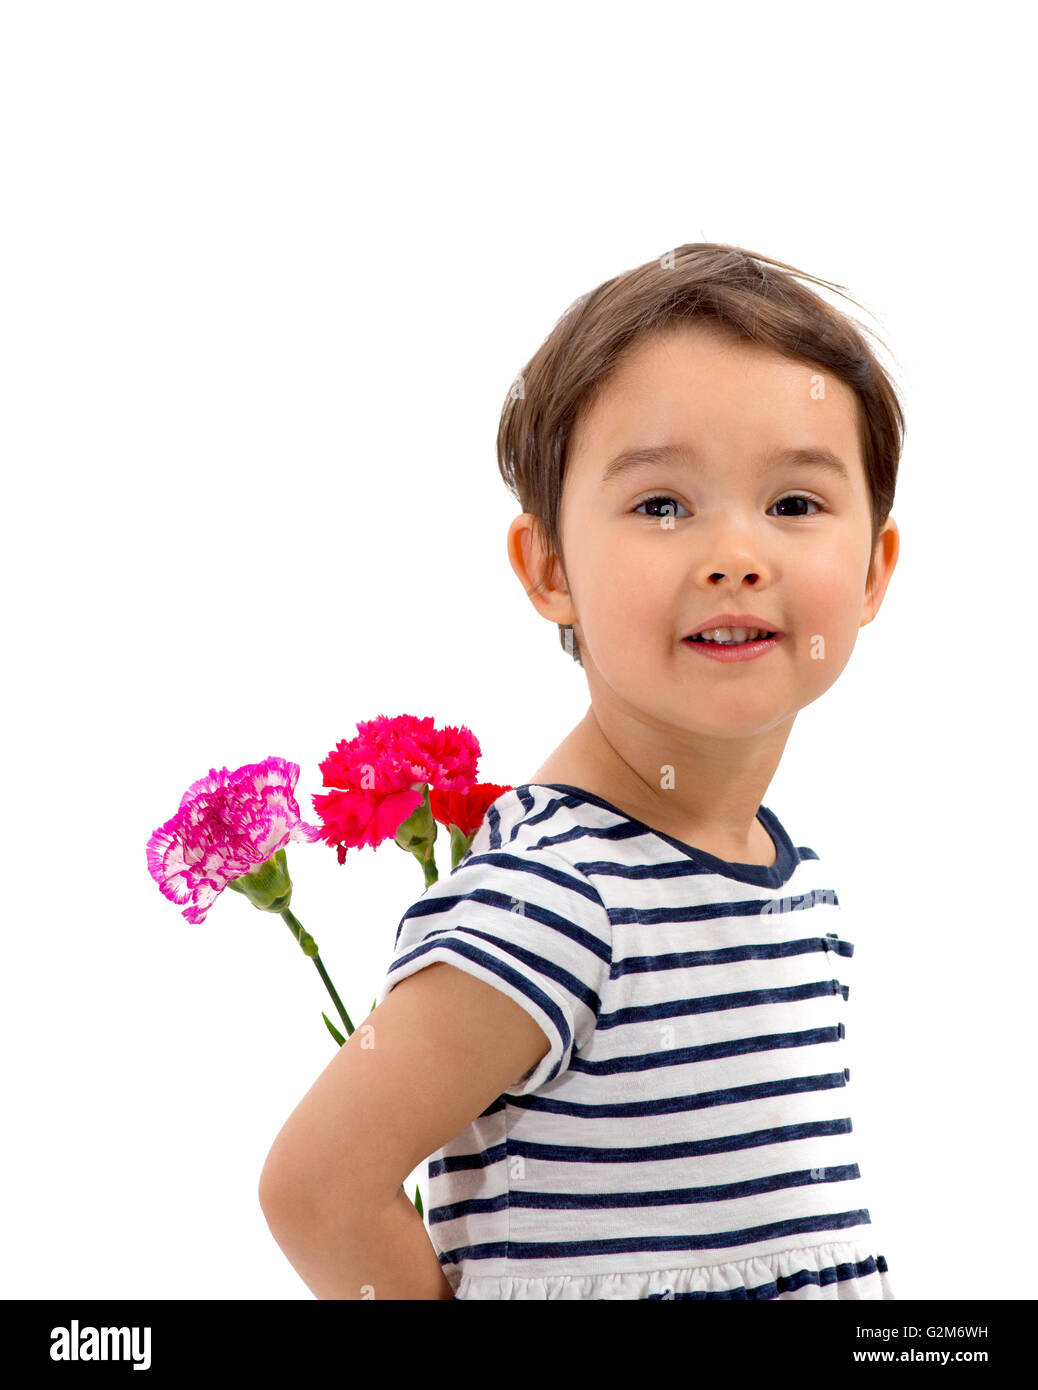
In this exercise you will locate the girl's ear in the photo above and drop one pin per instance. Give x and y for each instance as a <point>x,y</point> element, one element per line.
<point>539,572</point>
<point>884,559</point>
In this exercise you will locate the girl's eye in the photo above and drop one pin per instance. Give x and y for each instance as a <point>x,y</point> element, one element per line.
<point>669,510</point>
<point>672,505</point>
<point>798,497</point>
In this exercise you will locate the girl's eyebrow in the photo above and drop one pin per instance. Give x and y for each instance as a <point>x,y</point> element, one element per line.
<point>647,455</point>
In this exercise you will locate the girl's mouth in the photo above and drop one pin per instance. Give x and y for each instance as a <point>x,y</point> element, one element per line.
<point>734,651</point>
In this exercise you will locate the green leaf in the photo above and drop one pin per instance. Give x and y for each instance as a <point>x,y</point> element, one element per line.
<point>333,1030</point>
<point>418,1201</point>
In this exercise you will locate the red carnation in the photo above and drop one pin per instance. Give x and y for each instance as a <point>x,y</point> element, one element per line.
<point>466,810</point>
<point>379,777</point>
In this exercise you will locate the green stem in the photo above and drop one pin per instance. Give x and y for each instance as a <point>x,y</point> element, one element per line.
<point>297,930</point>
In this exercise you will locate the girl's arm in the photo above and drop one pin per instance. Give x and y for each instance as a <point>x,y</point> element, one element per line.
<point>382,1251</point>
<point>435,1053</point>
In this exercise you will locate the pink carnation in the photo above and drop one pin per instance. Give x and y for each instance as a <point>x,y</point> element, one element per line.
<point>380,776</point>
<point>228,824</point>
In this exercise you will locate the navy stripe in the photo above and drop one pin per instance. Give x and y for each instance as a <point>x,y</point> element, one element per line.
<point>789,1283</point>
<point>611,833</point>
<point>777,908</point>
<point>690,1148</point>
<point>677,1196</point>
<point>673,1105</point>
<point>713,1240</point>
<point>715,1003</point>
<point>763,950</point>
<point>522,864</point>
<point>728,1047</point>
<point>559,1153</point>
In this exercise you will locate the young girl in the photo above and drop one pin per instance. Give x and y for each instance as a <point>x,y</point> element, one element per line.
<point>618,1026</point>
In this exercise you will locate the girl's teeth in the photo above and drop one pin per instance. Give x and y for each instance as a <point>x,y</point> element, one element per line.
<point>730,634</point>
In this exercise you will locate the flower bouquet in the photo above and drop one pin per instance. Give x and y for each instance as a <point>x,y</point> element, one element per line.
<point>397,779</point>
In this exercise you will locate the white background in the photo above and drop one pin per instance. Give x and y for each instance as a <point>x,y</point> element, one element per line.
<point>267,274</point>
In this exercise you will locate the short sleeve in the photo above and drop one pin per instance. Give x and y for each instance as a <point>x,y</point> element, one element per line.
<point>528,923</point>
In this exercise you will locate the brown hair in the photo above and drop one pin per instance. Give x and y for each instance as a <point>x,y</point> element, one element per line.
<point>739,293</point>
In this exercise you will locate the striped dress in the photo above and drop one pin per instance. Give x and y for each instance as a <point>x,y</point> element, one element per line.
<point>686,1135</point>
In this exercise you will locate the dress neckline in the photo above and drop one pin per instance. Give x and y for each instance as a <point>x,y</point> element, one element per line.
<point>762,875</point>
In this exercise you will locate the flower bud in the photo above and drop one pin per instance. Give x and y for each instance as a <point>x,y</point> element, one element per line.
<point>459,845</point>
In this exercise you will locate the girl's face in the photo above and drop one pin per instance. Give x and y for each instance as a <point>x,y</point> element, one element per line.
<point>655,549</point>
